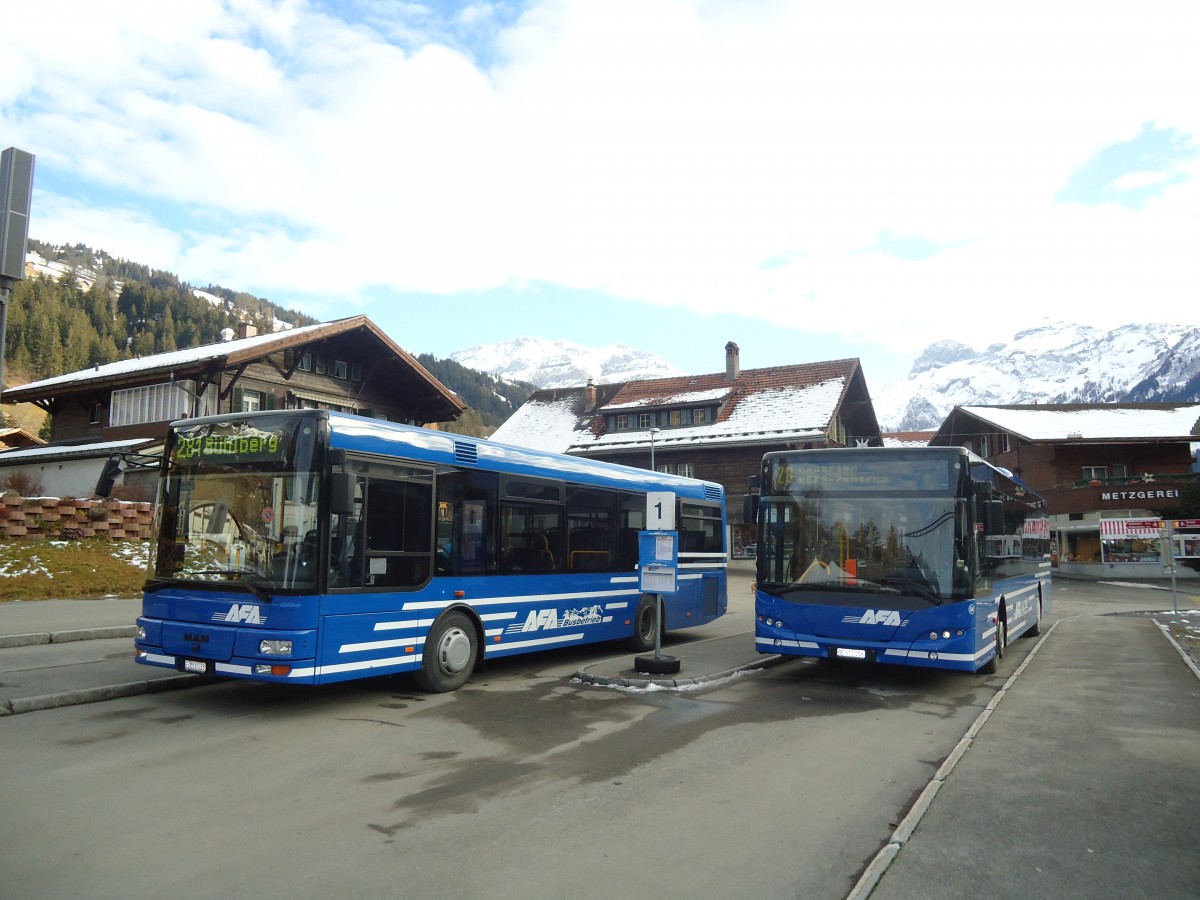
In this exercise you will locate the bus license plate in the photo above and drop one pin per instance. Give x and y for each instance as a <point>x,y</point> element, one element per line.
<point>850,653</point>
<point>198,666</point>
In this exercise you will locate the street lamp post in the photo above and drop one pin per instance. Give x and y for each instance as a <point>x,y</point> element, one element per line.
<point>653,435</point>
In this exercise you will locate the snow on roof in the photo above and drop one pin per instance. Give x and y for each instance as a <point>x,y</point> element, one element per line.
<point>103,448</point>
<point>908,438</point>
<point>169,360</point>
<point>1098,422</point>
<point>682,399</point>
<point>540,425</point>
<point>798,413</point>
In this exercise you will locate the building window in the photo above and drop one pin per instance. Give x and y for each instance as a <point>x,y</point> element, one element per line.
<point>983,446</point>
<point>319,365</point>
<point>339,369</point>
<point>251,401</point>
<point>1120,470</point>
<point>1005,442</point>
<point>645,420</point>
<point>687,470</point>
<point>305,364</point>
<point>1095,473</point>
<point>356,372</point>
<point>160,403</point>
<point>97,414</point>
<point>700,416</point>
<point>675,417</point>
<point>622,422</point>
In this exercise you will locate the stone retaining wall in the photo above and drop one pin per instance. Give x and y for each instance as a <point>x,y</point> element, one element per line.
<point>54,518</point>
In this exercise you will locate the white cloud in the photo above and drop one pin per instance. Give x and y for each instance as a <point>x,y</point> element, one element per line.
<point>715,156</point>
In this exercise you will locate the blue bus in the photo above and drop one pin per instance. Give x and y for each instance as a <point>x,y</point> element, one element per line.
<point>926,556</point>
<point>309,546</point>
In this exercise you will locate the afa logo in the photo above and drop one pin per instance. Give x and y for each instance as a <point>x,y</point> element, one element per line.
<point>547,619</point>
<point>876,617</point>
<point>241,612</point>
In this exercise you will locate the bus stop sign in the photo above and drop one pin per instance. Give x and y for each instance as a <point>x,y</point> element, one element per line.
<point>658,561</point>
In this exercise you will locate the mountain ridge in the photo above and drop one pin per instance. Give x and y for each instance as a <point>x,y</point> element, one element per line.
<point>1052,362</point>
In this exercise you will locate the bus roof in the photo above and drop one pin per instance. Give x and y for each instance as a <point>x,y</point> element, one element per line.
<point>356,433</point>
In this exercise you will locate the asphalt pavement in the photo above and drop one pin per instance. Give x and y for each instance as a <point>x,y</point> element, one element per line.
<point>1080,779</point>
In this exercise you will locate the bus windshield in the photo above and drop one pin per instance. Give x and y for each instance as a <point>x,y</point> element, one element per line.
<point>238,503</point>
<point>832,526</point>
<point>862,544</point>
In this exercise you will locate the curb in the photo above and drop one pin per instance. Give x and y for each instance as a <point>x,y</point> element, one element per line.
<point>878,866</point>
<point>620,681</point>
<point>66,637</point>
<point>96,695</point>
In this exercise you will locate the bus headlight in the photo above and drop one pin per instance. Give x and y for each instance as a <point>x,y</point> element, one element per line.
<point>140,634</point>
<point>275,648</point>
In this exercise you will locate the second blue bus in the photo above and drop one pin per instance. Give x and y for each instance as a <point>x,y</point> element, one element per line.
<point>924,556</point>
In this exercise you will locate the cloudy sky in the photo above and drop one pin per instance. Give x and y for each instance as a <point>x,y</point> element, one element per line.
<point>813,180</point>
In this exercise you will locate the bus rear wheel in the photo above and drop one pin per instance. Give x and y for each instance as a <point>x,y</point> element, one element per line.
<point>645,622</point>
<point>449,657</point>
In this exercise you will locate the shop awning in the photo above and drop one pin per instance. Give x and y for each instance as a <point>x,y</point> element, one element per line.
<point>1128,528</point>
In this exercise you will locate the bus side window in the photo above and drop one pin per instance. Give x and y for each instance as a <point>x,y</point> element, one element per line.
<point>345,542</point>
<point>467,535</point>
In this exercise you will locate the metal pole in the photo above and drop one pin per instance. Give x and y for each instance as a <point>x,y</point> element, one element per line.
<point>3,325</point>
<point>658,625</point>
<point>1170,523</point>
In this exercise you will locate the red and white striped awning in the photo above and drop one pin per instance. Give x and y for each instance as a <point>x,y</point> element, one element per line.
<point>1125,528</point>
<point>1036,528</point>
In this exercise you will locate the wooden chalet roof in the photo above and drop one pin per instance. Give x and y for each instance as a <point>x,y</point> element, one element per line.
<point>1060,422</point>
<point>207,361</point>
<point>771,405</point>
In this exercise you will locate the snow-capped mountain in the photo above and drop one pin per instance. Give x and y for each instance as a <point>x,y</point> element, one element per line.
<point>1052,363</point>
<point>551,364</point>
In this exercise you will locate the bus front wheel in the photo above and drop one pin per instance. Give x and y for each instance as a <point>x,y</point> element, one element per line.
<point>645,623</point>
<point>449,657</point>
<point>989,667</point>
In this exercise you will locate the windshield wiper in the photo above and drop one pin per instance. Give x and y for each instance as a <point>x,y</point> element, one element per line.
<point>913,587</point>
<point>239,576</point>
<point>857,585</point>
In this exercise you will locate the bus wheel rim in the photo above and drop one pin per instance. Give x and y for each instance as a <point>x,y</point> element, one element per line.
<point>454,650</point>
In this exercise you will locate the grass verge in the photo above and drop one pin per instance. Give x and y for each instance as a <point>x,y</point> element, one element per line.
<point>45,570</point>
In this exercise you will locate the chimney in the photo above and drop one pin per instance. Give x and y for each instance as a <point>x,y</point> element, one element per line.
<point>247,329</point>
<point>589,395</point>
<point>733,365</point>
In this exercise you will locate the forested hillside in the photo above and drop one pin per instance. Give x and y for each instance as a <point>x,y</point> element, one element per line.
<point>102,309</point>
<point>112,309</point>
<point>490,401</point>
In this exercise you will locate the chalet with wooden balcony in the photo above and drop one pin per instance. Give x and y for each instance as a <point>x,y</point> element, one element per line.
<point>348,365</point>
<point>715,427</point>
<point>1105,471</point>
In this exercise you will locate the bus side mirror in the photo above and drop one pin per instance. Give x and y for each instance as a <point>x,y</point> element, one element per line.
<point>108,477</point>
<point>749,508</point>
<point>341,497</point>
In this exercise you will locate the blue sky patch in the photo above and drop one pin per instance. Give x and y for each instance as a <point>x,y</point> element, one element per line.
<point>1131,172</point>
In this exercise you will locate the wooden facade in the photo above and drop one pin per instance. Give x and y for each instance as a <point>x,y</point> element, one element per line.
<point>349,365</point>
<point>714,427</point>
<point>1081,473</point>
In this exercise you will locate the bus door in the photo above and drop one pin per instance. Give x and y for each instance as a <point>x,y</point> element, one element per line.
<point>701,545</point>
